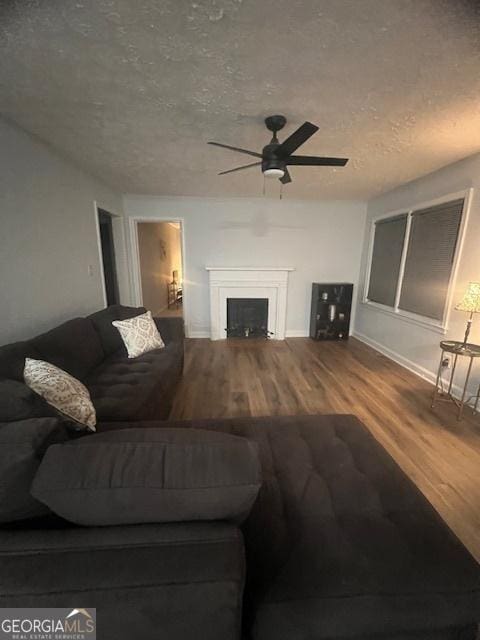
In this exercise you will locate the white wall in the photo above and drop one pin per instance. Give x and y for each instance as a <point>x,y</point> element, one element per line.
<point>48,237</point>
<point>321,240</point>
<point>413,345</point>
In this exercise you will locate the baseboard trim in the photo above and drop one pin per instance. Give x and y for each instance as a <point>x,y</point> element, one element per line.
<point>425,374</point>
<point>299,333</point>
<point>296,333</point>
<point>198,334</point>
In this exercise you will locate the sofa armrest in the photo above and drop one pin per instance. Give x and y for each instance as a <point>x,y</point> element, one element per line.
<point>177,581</point>
<point>171,329</point>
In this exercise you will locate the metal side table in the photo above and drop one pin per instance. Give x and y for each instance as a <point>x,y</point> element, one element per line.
<point>469,350</point>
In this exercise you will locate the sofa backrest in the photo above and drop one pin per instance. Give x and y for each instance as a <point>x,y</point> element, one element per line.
<point>19,402</point>
<point>109,335</point>
<point>74,346</point>
<point>77,346</point>
<point>12,359</point>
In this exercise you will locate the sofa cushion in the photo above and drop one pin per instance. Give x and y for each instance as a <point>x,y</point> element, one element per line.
<point>74,346</point>
<point>109,335</point>
<point>150,475</point>
<point>341,543</point>
<point>12,359</point>
<point>22,445</point>
<point>19,402</point>
<point>126,389</point>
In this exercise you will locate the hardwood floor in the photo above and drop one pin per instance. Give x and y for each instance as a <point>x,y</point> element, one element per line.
<point>298,376</point>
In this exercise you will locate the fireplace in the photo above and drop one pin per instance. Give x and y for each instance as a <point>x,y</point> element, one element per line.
<point>247,318</point>
<point>267,284</point>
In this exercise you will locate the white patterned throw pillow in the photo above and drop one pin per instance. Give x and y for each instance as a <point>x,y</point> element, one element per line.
<point>139,334</point>
<point>61,390</point>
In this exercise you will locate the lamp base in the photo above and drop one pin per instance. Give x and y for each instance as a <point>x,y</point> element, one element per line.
<point>467,332</point>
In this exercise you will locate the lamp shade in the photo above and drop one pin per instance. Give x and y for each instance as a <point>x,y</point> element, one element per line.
<point>471,299</point>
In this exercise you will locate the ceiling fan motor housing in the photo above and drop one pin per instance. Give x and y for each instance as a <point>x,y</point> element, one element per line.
<point>270,159</point>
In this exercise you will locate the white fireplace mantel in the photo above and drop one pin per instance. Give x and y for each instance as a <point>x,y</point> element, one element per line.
<point>248,282</point>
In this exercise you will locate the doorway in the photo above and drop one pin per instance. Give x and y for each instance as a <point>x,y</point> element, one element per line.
<point>107,246</point>
<point>160,262</point>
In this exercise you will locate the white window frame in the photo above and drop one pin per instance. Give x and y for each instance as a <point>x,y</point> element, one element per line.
<point>395,311</point>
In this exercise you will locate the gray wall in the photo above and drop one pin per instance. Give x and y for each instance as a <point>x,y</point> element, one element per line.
<point>48,237</point>
<point>321,240</point>
<point>415,346</point>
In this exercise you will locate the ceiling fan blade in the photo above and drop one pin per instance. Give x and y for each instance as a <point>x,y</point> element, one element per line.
<point>298,137</point>
<point>286,178</point>
<point>245,166</point>
<point>226,146</point>
<point>315,161</point>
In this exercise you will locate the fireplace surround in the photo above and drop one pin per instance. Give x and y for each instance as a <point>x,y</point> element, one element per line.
<point>269,283</point>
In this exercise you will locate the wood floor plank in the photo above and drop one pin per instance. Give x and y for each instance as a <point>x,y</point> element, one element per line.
<point>299,376</point>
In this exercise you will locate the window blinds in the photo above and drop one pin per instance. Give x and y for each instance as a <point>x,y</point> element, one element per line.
<point>429,261</point>
<point>386,259</point>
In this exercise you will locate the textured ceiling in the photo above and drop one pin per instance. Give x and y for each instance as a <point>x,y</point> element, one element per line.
<point>133,89</point>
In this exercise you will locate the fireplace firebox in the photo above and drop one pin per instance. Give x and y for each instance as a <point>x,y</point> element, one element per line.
<point>247,318</point>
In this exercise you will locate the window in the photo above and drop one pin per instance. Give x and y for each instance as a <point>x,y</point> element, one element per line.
<point>429,263</point>
<point>386,259</point>
<point>412,260</point>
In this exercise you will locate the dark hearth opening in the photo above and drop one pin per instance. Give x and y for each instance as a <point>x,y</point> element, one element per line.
<point>247,318</point>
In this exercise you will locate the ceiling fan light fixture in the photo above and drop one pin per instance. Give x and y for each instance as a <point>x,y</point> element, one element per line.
<point>274,173</point>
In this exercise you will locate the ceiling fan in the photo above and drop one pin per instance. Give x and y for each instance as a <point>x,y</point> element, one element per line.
<point>277,156</point>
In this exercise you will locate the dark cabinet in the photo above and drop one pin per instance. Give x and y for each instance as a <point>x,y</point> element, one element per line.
<point>331,309</point>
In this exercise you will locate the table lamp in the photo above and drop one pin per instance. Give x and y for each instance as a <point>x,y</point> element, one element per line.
<point>471,304</point>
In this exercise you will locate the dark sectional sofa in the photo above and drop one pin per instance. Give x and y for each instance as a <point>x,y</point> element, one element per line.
<point>339,545</point>
<point>92,350</point>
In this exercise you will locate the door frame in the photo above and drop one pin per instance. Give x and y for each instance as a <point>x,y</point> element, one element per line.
<point>133,222</point>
